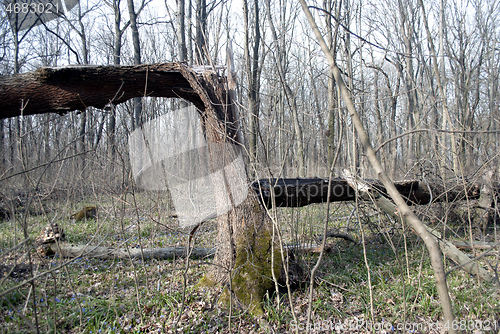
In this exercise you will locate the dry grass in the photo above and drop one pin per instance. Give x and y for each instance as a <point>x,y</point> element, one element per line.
<point>132,296</point>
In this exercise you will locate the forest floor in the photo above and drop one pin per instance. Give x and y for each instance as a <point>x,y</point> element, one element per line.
<point>397,294</point>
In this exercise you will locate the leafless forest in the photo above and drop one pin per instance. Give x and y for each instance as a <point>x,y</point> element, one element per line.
<point>424,78</point>
<point>429,103</point>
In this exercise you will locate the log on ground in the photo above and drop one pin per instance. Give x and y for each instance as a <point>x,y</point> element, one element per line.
<point>298,192</point>
<point>67,250</point>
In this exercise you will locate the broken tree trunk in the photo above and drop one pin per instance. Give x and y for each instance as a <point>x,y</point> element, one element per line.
<point>245,233</point>
<point>64,89</point>
<point>304,191</point>
<point>246,257</point>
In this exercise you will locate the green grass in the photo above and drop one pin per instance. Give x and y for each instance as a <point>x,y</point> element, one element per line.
<point>123,296</point>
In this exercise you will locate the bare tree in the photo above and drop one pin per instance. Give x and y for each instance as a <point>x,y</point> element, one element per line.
<point>137,102</point>
<point>201,43</point>
<point>332,31</point>
<point>181,30</point>
<point>289,94</point>
<point>252,70</point>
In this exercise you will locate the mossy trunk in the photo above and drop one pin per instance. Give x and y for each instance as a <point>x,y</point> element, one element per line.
<point>246,255</point>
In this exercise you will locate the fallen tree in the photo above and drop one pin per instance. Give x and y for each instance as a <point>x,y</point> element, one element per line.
<point>67,250</point>
<point>304,191</point>
<point>366,191</point>
<point>52,242</point>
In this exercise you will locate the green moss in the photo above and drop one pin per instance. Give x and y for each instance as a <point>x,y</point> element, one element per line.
<point>224,297</point>
<point>252,276</point>
<point>253,271</point>
<point>205,281</point>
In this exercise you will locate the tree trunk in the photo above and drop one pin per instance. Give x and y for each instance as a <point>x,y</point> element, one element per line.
<point>137,101</point>
<point>189,33</point>
<point>64,89</point>
<point>111,130</point>
<point>252,72</point>
<point>304,191</point>
<point>452,252</point>
<point>245,239</point>
<point>181,30</point>
<point>407,29</point>
<point>245,233</point>
<point>2,147</point>
<point>331,39</point>
<point>201,49</point>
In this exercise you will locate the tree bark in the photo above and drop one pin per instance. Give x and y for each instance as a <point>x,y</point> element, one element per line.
<point>253,77</point>
<point>64,89</point>
<point>407,29</point>
<point>137,121</point>
<point>304,191</point>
